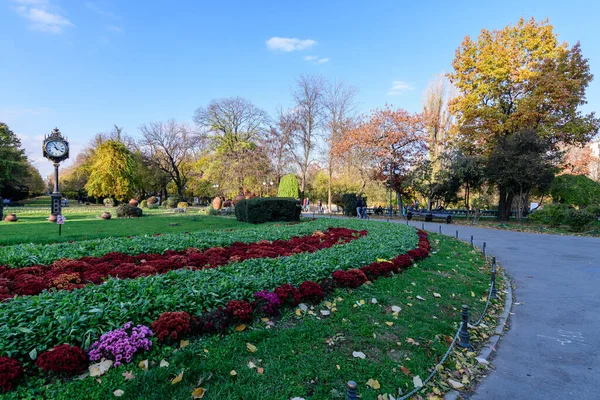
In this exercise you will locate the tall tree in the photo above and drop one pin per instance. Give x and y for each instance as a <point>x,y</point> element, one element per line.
<point>112,171</point>
<point>169,145</point>
<point>227,122</point>
<point>437,118</point>
<point>13,164</point>
<point>339,104</point>
<point>308,97</point>
<point>516,79</point>
<point>278,142</point>
<point>387,137</point>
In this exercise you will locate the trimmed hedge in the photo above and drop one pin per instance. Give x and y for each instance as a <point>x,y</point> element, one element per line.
<point>260,210</point>
<point>127,211</point>
<point>350,200</point>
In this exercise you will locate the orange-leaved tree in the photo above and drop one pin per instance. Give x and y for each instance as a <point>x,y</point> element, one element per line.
<point>518,79</point>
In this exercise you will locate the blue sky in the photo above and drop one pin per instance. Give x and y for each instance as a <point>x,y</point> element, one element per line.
<point>86,65</point>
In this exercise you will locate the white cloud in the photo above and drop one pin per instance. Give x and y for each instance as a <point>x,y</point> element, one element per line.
<point>316,59</point>
<point>289,44</point>
<point>399,87</point>
<point>40,16</point>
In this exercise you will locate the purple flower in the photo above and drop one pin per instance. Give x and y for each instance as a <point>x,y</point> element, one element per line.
<point>121,344</point>
<point>269,301</point>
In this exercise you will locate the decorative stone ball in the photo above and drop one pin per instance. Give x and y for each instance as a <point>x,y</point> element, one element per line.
<point>52,218</point>
<point>237,198</point>
<point>217,203</point>
<point>106,215</point>
<point>133,203</point>
<point>11,218</point>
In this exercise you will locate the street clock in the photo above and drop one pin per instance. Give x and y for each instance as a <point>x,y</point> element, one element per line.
<point>55,147</point>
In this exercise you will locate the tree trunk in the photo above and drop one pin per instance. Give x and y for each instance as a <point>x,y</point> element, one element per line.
<point>399,200</point>
<point>329,190</point>
<point>504,205</point>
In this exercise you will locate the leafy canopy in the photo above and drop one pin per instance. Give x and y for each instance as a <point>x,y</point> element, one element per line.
<point>289,187</point>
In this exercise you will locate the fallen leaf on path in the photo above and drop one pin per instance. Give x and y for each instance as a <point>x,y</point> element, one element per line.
<point>455,385</point>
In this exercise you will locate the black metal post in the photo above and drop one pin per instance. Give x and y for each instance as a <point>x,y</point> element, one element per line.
<point>423,226</point>
<point>494,293</point>
<point>463,335</point>
<point>457,233</point>
<point>440,229</point>
<point>472,241</point>
<point>351,393</point>
<point>56,177</point>
<point>484,254</point>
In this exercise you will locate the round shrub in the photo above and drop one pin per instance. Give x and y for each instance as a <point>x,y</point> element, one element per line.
<point>182,204</point>
<point>108,202</point>
<point>171,326</point>
<point>579,220</point>
<point>153,206</point>
<point>144,204</point>
<point>127,211</point>
<point>152,200</point>
<point>11,372</point>
<point>63,359</point>
<point>288,187</point>
<point>172,201</point>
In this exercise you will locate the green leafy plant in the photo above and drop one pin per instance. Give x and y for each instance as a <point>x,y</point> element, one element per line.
<point>550,214</point>
<point>127,211</point>
<point>144,204</point>
<point>349,200</point>
<point>579,220</point>
<point>289,187</point>
<point>172,201</point>
<point>261,210</point>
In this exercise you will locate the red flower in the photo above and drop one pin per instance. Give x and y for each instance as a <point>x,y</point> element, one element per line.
<point>288,294</point>
<point>310,292</point>
<point>63,359</point>
<point>11,372</point>
<point>240,310</point>
<point>171,326</point>
<point>351,279</point>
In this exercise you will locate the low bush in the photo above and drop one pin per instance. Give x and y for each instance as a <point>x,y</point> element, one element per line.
<point>172,201</point>
<point>171,326</point>
<point>260,210</point>
<point>594,210</point>
<point>127,211</point>
<point>63,359</point>
<point>152,200</point>
<point>108,202</point>
<point>550,214</point>
<point>580,220</point>
<point>144,204</point>
<point>153,206</point>
<point>182,204</point>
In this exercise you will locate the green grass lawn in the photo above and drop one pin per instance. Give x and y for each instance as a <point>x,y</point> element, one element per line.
<point>85,223</point>
<point>307,354</point>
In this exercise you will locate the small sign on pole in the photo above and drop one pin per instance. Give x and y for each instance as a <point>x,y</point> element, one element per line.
<point>60,220</point>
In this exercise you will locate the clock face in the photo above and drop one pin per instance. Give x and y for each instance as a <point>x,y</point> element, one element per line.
<point>56,148</point>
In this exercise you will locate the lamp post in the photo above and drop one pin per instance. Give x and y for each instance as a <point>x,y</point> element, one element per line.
<point>266,188</point>
<point>391,171</point>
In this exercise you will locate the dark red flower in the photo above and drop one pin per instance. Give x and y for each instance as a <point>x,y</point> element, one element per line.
<point>11,372</point>
<point>63,359</point>
<point>171,326</point>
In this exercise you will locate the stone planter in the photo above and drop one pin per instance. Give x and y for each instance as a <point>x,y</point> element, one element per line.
<point>106,215</point>
<point>237,198</point>
<point>11,218</point>
<point>52,218</point>
<point>217,203</point>
<point>133,203</point>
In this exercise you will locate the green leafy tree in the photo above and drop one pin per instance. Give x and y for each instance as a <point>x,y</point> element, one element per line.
<point>289,187</point>
<point>575,190</point>
<point>13,165</point>
<point>516,79</point>
<point>112,171</point>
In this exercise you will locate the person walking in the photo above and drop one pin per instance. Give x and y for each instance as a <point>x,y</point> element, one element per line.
<point>359,205</point>
<point>320,204</point>
<point>364,209</point>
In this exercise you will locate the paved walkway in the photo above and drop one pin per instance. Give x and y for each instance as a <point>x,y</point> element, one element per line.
<point>552,350</point>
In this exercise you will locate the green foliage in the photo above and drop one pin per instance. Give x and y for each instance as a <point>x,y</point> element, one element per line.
<point>211,211</point>
<point>594,210</point>
<point>350,200</point>
<point>289,187</point>
<point>261,210</point>
<point>112,171</point>
<point>580,220</point>
<point>108,202</point>
<point>81,316</point>
<point>182,204</point>
<point>127,211</point>
<point>15,170</point>
<point>550,214</point>
<point>172,201</point>
<point>575,190</point>
<point>153,206</point>
<point>144,204</point>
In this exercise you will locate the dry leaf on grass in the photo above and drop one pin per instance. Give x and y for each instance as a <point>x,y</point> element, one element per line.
<point>405,370</point>
<point>359,354</point>
<point>128,375</point>
<point>118,393</point>
<point>240,327</point>
<point>163,363</point>
<point>184,343</point>
<point>251,348</point>
<point>233,372</point>
<point>198,393</point>
<point>100,368</point>
<point>177,379</point>
<point>417,382</point>
<point>373,383</point>
<point>143,365</point>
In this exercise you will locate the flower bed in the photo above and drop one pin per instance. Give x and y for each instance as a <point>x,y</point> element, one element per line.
<point>23,255</point>
<point>33,324</point>
<point>75,274</point>
<point>175,325</point>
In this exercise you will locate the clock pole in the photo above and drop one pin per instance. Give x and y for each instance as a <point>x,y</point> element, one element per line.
<point>55,149</point>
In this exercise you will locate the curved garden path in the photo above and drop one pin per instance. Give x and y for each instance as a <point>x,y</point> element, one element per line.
<point>552,350</point>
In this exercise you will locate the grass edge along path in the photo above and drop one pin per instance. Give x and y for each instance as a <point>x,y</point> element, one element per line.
<point>309,355</point>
